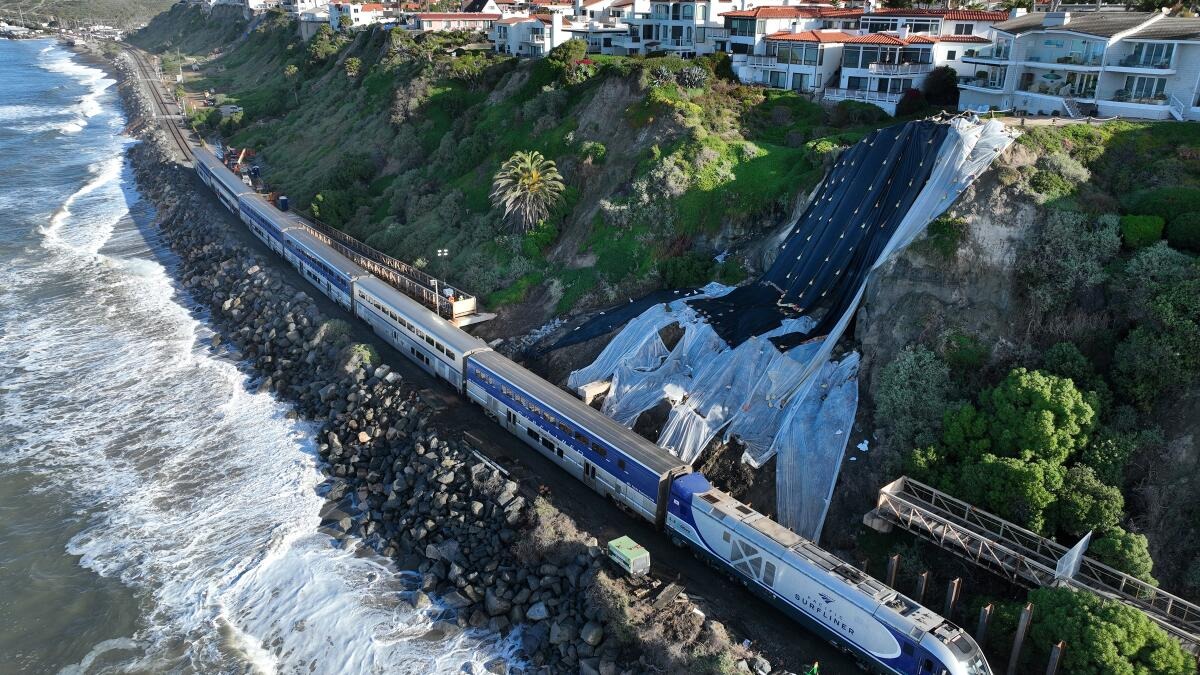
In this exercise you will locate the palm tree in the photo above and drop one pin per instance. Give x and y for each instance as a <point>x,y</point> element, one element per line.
<point>527,185</point>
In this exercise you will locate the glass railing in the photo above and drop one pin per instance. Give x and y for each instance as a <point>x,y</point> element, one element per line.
<point>1059,58</point>
<point>1136,61</point>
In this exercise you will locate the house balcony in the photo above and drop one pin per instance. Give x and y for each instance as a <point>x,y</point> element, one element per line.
<point>716,33</point>
<point>989,55</point>
<point>899,68</point>
<point>1135,66</point>
<point>684,44</point>
<point>860,95</point>
<point>1058,61</point>
<point>761,61</point>
<point>984,86</point>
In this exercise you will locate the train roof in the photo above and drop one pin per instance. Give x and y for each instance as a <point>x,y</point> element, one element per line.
<point>229,179</point>
<point>327,253</point>
<point>902,611</point>
<point>631,444</point>
<point>444,331</point>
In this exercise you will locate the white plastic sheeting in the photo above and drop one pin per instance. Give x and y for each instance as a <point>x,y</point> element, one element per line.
<point>799,405</point>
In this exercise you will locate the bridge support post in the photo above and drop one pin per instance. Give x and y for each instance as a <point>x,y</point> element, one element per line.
<point>952,591</point>
<point>922,582</point>
<point>985,622</point>
<point>1019,638</point>
<point>1055,657</point>
<point>893,568</point>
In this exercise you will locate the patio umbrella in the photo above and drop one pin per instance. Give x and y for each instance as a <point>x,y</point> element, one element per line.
<point>1052,76</point>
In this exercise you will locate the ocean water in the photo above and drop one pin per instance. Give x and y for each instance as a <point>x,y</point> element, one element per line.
<point>155,515</point>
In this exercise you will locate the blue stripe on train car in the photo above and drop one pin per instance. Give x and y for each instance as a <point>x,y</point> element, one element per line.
<point>261,221</point>
<point>342,282</point>
<point>634,474</point>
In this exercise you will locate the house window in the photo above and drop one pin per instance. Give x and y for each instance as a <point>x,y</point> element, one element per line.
<point>1145,87</point>
<point>799,81</point>
<point>964,29</point>
<point>951,55</point>
<point>688,12</point>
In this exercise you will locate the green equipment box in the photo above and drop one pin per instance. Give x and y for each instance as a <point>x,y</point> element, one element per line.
<point>629,555</point>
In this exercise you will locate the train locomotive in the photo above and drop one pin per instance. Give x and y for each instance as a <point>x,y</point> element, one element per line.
<point>884,630</point>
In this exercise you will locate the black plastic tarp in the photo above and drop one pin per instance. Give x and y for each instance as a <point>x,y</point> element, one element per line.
<point>838,238</point>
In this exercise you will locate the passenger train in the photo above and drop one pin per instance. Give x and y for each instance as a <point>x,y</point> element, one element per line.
<point>886,631</point>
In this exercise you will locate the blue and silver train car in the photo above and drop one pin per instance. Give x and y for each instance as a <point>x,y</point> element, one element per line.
<point>331,272</point>
<point>605,456</point>
<point>225,183</point>
<point>850,609</point>
<point>424,337</point>
<point>264,221</point>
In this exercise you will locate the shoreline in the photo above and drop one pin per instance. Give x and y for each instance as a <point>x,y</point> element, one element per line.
<point>493,554</point>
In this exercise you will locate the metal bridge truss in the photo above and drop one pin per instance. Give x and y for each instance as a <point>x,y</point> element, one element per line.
<point>1022,556</point>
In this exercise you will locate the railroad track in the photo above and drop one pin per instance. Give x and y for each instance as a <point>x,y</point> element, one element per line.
<point>161,102</point>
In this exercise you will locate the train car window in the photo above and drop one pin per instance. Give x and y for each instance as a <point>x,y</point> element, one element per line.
<point>564,428</point>
<point>725,536</point>
<point>533,434</point>
<point>581,438</point>
<point>927,666</point>
<point>429,340</point>
<point>452,355</point>
<point>547,444</point>
<point>621,464</point>
<point>559,452</point>
<point>769,574</point>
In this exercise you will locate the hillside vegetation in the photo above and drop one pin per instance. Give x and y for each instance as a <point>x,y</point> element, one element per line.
<point>1080,416</point>
<point>396,138</point>
<point>119,13</point>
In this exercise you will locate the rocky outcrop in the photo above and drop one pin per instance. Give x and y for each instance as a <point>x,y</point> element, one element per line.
<point>918,295</point>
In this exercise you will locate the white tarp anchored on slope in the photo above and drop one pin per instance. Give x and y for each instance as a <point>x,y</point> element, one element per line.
<point>799,405</point>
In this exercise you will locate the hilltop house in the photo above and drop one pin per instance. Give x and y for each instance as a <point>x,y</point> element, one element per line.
<point>435,21</point>
<point>682,27</point>
<point>532,36</point>
<point>358,14</point>
<point>1129,64</point>
<point>873,56</point>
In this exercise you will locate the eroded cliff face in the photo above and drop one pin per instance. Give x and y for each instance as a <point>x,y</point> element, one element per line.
<point>919,295</point>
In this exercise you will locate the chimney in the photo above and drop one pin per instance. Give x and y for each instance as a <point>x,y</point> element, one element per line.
<point>1056,19</point>
<point>1017,12</point>
<point>795,26</point>
<point>902,33</point>
<point>556,27</point>
<point>578,9</point>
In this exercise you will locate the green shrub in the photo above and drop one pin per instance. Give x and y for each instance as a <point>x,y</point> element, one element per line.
<point>1145,365</point>
<point>1050,185</point>
<point>943,237</point>
<point>1126,551</point>
<point>1065,166</point>
<point>852,113</point>
<point>941,86</point>
<point>535,241</point>
<point>1108,454</point>
<point>1184,231</point>
<point>691,269</point>
<point>1141,231</point>
<point>1086,504</point>
<point>1166,202</point>
<point>593,150</point>
<point>1008,176</point>
<point>964,353</point>
<point>913,394</point>
<point>1068,256</point>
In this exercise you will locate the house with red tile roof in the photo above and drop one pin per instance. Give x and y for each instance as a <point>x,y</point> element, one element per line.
<point>532,36</point>
<point>803,60</point>
<point>683,27</point>
<point>439,21</point>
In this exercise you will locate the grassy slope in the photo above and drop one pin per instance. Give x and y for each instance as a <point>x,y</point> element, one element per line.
<point>120,13</point>
<point>715,158</point>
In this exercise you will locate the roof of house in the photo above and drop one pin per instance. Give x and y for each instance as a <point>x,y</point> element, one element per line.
<point>976,39</point>
<point>800,12</point>
<point>948,14</point>
<point>466,16</point>
<point>366,7</point>
<point>512,20</point>
<point>474,5</point>
<point>810,36</point>
<point>1101,24</point>
<point>1169,28</point>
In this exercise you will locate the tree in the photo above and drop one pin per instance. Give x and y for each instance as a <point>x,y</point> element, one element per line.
<point>353,67</point>
<point>527,185</point>
<point>1125,551</point>
<point>912,396</point>
<point>1014,488</point>
<point>345,22</point>
<point>1085,504</point>
<point>563,57</point>
<point>941,86</point>
<point>289,73</point>
<point>1103,637</point>
<point>1034,415</point>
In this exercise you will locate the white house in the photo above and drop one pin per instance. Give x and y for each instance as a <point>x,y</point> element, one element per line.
<point>531,36</point>
<point>683,27</point>
<point>747,29</point>
<point>359,14</point>
<point>1129,64</point>
<point>297,8</point>
<point>803,61</point>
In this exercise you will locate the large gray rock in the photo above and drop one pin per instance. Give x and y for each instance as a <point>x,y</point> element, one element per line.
<point>494,604</point>
<point>592,633</point>
<point>537,612</point>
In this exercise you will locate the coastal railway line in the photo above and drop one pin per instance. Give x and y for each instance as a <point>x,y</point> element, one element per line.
<point>164,113</point>
<point>877,626</point>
